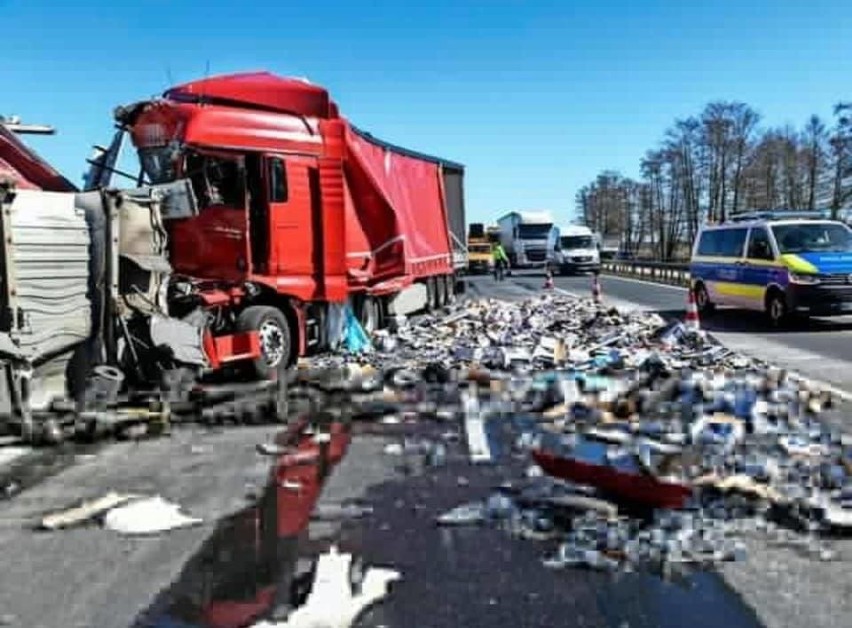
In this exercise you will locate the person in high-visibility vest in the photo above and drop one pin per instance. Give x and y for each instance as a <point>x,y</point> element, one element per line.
<point>501,261</point>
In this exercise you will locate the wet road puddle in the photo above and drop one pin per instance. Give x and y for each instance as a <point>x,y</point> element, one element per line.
<point>254,564</point>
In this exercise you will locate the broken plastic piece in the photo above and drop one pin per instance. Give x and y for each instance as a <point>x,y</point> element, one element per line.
<point>148,516</point>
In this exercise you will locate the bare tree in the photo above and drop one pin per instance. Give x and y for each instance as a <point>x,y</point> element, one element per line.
<point>815,137</point>
<point>744,122</point>
<point>718,163</point>
<point>841,143</point>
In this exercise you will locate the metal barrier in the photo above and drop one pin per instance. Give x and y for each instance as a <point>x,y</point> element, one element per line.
<point>674,273</point>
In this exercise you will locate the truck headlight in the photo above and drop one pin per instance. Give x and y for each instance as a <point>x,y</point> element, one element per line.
<point>804,279</point>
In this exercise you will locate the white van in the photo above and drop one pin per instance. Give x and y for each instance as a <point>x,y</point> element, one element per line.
<point>577,250</point>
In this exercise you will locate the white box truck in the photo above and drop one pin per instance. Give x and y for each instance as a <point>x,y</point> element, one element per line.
<point>577,251</point>
<point>529,238</point>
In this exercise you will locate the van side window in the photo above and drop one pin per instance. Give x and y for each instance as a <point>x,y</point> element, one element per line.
<point>277,181</point>
<point>733,242</point>
<point>723,242</point>
<point>708,244</point>
<point>759,246</point>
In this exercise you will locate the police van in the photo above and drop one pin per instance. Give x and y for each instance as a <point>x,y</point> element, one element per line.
<point>782,263</point>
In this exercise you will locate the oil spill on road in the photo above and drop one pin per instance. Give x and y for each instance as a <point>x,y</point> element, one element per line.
<point>247,569</point>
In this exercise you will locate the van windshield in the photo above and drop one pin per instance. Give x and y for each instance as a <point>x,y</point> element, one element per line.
<point>822,236</point>
<point>577,242</point>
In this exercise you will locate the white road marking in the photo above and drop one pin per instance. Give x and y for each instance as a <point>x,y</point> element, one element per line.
<point>649,283</point>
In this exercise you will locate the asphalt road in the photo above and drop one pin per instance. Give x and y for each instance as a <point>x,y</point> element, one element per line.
<point>820,348</point>
<point>234,563</point>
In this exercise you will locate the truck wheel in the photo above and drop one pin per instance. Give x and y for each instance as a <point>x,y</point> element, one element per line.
<point>430,294</point>
<point>451,288</point>
<point>273,330</point>
<point>440,291</point>
<point>369,315</point>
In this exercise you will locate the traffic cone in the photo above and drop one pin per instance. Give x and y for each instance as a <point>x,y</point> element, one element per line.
<point>691,321</point>
<point>596,288</point>
<point>548,281</point>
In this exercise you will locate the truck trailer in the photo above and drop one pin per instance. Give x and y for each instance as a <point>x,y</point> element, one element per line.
<point>529,238</point>
<point>259,216</point>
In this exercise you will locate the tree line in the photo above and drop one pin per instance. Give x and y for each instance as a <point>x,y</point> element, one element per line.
<point>718,163</point>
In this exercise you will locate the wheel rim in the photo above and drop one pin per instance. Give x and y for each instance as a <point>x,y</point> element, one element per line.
<point>776,310</point>
<point>271,343</point>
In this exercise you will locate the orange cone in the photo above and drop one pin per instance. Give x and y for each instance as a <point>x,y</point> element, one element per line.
<point>691,321</point>
<point>596,288</point>
<point>548,281</point>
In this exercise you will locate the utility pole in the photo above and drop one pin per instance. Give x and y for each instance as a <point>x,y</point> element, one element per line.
<point>13,123</point>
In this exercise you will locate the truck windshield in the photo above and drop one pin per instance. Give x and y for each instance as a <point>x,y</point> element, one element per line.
<point>822,236</point>
<point>533,232</point>
<point>159,164</point>
<point>576,242</point>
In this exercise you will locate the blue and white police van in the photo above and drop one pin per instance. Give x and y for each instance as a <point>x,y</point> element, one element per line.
<point>783,263</point>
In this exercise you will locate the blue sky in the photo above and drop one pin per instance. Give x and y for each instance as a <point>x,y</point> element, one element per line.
<point>534,97</point>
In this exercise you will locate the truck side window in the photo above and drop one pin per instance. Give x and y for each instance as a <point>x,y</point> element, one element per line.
<point>215,180</point>
<point>277,181</point>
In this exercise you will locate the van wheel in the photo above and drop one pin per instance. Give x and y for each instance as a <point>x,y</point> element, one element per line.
<point>776,309</point>
<point>273,331</point>
<point>702,299</point>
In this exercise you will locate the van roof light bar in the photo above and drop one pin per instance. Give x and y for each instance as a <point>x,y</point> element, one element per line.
<point>777,215</point>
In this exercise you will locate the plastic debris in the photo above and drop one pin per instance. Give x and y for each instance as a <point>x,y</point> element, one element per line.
<point>86,511</point>
<point>148,516</point>
<point>332,602</point>
<point>674,420</point>
<point>467,514</point>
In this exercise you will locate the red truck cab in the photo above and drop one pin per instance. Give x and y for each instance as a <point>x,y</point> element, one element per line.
<point>298,209</point>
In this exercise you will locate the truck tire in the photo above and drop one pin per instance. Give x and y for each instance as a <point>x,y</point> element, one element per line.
<point>368,314</point>
<point>276,344</point>
<point>440,291</point>
<point>430,294</point>
<point>451,288</point>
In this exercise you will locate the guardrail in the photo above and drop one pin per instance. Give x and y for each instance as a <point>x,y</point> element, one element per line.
<point>673,273</point>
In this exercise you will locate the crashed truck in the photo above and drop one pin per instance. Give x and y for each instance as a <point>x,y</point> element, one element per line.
<point>261,221</point>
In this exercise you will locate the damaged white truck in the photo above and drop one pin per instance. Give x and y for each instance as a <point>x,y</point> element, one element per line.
<point>89,307</point>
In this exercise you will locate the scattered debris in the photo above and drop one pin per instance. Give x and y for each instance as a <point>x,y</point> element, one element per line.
<point>645,413</point>
<point>467,514</point>
<point>332,602</point>
<point>86,511</point>
<point>148,516</point>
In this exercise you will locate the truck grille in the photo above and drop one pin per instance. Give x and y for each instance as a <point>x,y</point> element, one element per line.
<point>582,258</point>
<point>536,255</point>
